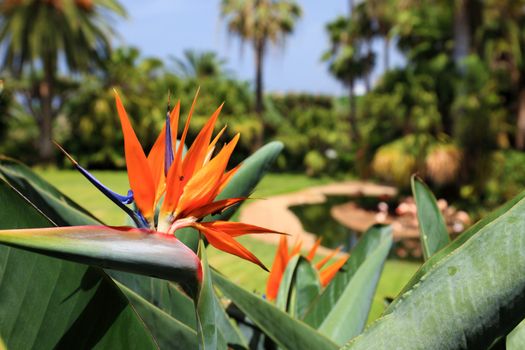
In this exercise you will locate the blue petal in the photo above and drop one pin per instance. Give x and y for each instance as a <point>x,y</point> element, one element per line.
<point>168,154</point>
<point>127,199</point>
<point>116,198</point>
<point>143,220</point>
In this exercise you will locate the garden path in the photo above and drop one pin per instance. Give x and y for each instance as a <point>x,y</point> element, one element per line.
<point>274,212</point>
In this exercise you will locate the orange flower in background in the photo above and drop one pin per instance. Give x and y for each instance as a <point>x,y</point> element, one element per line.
<point>184,187</point>
<point>282,257</point>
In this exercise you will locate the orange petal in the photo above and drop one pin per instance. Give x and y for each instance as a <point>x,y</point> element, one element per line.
<point>297,248</point>
<point>196,155</point>
<point>203,186</point>
<point>213,208</point>
<point>224,242</point>
<point>173,187</point>
<point>211,147</point>
<point>139,174</point>
<point>236,229</point>
<point>321,263</point>
<point>311,254</point>
<point>175,179</point>
<point>216,138</point>
<point>329,273</point>
<point>178,155</point>
<point>156,154</point>
<point>225,179</point>
<point>279,265</point>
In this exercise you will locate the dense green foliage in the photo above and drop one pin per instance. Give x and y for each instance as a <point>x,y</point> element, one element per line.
<point>310,126</point>
<point>457,99</point>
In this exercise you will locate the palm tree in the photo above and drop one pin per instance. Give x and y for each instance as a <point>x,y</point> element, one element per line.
<point>200,65</point>
<point>349,56</point>
<point>41,36</point>
<point>382,12</point>
<point>260,22</point>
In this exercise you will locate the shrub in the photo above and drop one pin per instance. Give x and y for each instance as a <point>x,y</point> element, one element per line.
<point>443,163</point>
<point>315,163</point>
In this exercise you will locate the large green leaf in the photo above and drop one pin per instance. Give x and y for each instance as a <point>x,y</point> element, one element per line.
<point>208,311</point>
<point>164,294</point>
<point>57,206</point>
<point>299,286</point>
<point>305,288</point>
<point>468,299</point>
<point>169,332</point>
<point>242,184</point>
<point>432,228</point>
<point>374,242</point>
<point>347,317</point>
<point>14,170</point>
<point>49,303</point>
<point>208,332</point>
<point>516,339</point>
<point>213,325</point>
<point>229,329</point>
<point>286,331</point>
<point>458,242</point>
<point>285,286</point>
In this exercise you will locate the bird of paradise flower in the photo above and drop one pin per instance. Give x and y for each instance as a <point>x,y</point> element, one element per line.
<point>283,256</point>
<point>171,191</point>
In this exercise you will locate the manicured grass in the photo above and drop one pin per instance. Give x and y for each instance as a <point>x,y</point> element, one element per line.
<point>278,183</point>
<point>80,190</point>
<point>396,273</point>
<point>73,184</point>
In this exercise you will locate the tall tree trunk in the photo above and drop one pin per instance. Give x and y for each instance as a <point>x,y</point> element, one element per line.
<point>352,116</point>
<point>386,53</point>
<point>45,122</point>
<point>259,103</point>
<point>520,125</point>
<point>462,39</point>
<point>368,76</point>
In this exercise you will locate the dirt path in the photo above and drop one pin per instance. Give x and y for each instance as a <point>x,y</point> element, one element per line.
<point>273,212</point>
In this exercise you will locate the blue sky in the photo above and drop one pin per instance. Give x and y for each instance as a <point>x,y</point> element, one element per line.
<point>162,28</point>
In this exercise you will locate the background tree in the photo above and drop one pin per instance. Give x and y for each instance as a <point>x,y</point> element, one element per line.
<point>503,47</point>
<point>41,37</point>
<point>349,56</point>
<point>382,13</point>
<point>200,65</point>
<point>260,22</point>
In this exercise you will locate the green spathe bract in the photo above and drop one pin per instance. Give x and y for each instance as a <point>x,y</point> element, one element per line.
<point>122,248</point>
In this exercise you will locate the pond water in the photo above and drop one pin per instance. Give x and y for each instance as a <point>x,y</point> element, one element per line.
<point>316,219</point>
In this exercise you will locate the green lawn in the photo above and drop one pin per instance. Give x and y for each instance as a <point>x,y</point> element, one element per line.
<point>250,276</point>
<point>79,189</point>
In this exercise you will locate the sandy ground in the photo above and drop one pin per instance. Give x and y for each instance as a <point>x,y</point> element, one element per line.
<point>273,212</point>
